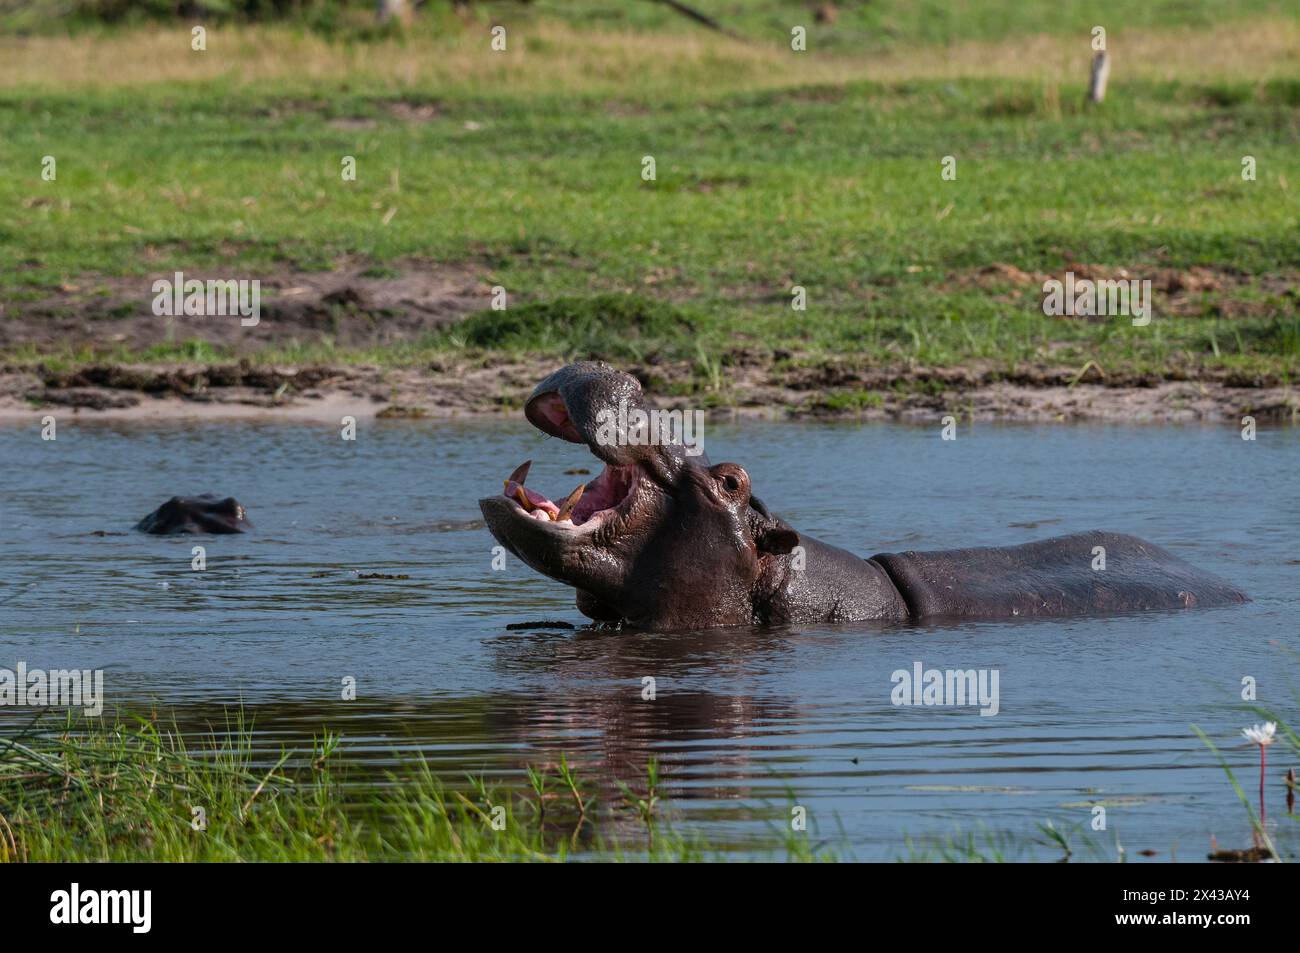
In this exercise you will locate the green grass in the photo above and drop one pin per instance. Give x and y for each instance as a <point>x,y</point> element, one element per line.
<point>1051,843</point>
<point>826,180</point>
<point>136,790</point>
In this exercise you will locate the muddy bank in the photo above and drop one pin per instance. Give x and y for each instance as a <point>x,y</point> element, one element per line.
<point>1190,292</point>
<point>355,304</point>
<point>358,304</point>
<point>458,387</point>
<point>361,308</point>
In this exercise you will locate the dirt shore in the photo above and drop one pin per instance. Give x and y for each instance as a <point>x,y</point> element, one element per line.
<point>482,386</point>
<point>354,304</point>
<point>361,308</point>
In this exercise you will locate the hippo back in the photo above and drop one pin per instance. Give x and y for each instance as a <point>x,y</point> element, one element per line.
<point>1054,577</point>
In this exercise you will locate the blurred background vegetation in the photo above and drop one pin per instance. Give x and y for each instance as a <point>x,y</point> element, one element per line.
<point>870,24</point>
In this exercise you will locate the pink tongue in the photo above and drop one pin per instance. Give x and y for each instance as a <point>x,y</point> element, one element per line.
<point>534,498</point>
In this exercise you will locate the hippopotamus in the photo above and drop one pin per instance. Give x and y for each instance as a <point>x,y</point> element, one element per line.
<point>196,514</point>
<point>664,540</point>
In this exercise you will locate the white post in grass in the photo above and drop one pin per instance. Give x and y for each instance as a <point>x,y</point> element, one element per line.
<point>1100,73</point>
<point>398,10</point>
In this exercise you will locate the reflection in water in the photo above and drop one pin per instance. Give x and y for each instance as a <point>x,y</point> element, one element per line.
<point>369,562</point>
<point>622,726</point>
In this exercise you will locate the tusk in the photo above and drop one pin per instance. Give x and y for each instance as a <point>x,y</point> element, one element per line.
<point>566,508</point>
<point>522,497</point>
<point>521,471</point>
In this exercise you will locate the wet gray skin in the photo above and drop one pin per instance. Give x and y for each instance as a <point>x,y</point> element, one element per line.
<point>664,540</point>
<point>196,514</point>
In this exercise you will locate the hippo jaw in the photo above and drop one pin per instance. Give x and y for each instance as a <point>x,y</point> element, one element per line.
<point>586,549</point>
<point>659,539</point>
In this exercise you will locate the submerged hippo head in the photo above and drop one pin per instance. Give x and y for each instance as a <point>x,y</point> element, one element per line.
<point>660,538</point>
<point>196,514</point>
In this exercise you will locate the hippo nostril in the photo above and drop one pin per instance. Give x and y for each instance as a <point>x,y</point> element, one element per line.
<point>548,413</point>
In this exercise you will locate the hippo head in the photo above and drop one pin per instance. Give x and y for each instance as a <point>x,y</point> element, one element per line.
<point>660,539</point>
<point>196,514</point>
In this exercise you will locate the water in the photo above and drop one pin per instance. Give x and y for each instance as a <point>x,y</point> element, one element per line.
<point>745,723</point>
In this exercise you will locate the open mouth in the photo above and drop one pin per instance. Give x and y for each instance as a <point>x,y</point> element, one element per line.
<point>588,506</point>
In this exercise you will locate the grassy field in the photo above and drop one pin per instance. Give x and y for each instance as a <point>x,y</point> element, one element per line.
<point>773,169</point>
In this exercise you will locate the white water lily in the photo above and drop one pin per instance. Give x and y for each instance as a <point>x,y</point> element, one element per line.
<point>1261,734</point>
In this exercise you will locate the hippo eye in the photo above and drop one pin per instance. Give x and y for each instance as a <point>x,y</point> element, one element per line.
<point>733,481</point>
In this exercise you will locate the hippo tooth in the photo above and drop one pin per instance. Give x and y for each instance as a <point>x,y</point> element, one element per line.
<point>522,497</point>
<point>566,508</point>
<point>521,471</point>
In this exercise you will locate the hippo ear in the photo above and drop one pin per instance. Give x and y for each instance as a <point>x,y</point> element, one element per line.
<point>778,540</point>
<point>771,534</point>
